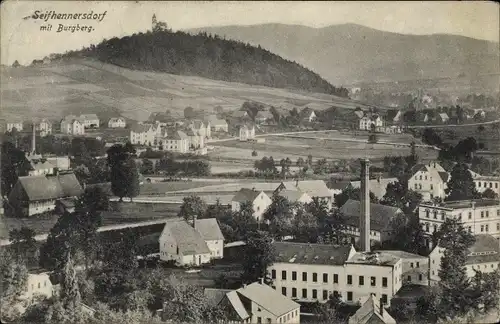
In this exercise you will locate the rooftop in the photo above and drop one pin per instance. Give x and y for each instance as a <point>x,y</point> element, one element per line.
<point>381,258</point>
<point>403,254</point>
<point>464,204</point>
<point>209,229</point>
<point>188,239</point>
<point>291,195</point>
<point>306,253</point>
<point>370,312</point>
<point>268,298</point>
<point>246,194</point>
<point>314,188</point>
<point>380,215</point>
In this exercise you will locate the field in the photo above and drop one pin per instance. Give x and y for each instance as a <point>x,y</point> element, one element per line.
<point>85,86</point>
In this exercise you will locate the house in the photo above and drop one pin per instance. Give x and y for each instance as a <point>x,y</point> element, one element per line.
<point>176,141</point>
<point>378,185</point>
<point>312,272</point>
<point>201,128</point>
<point>483,255</point>
<point>295,196</point>
<point>218,125</point>
<point>258,199</point>
<point>90,120</point>
<point>143,134</point>
<point>196,139</point>
<point>314,188</point>
<point>359,113</point>
<point>380,220</point>
<point>32,195</point>
<point>239,114</point>
<point>72,126</point>
<point>477,216</point>
<point>62,163</point>
<point>486,182</point>
<point>255,303</point>
<point>185,244</point>
<point>371,122</point>
<point>371,312</point>
<point>44,127</point>
<point>307,115</point>
<point>443,118</point>
<point>65,206</point>
<point>263,116</point>
<point>17,124</point>
<point>38,284</point>
<point>247,132</point>
<point>415,267</point>
<point>40,166</point>
<point>430,180</point>
<point>117,122</point>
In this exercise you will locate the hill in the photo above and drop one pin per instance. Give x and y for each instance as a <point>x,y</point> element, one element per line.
<point>75,86</point>
<point>350,53</point>
<point>205,56</point>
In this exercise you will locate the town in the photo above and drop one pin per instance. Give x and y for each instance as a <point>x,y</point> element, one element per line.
<point>338,208</point>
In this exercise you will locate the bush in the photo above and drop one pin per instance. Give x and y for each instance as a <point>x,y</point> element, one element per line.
<point>254,153</point>
<point>372,139</point>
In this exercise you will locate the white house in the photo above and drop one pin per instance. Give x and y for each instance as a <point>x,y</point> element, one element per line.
<point>483,256</point>
<point>308,115</point>
<point>203,129</point>
<point>72,126</point>
<point>314,188</point>
<point>247,132</point>
<point>118,122</point>
<point>312,272</point>
<point>295,196</point>
<point>258,199</point>
<point>378,185</point>
<point>17,124</point>
<point>477,216</point>
<point>415,267</point>
<point>218,125</point>
<point>143,134</point>
<point>40,167</point>
<point>90,120</point>
<point>372,312</point>
<point>176,141</point>
<point>186,245</point>
<point>255,303</point>
<point>430,180</point>
<point>44,127</point>
<point>486,182</point>
<point>38,284</point>
<point>370,121</point>
<point>443,117</point>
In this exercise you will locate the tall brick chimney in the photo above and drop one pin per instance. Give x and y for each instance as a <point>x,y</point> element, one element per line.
<point>364,219</point>
<point>33,140</point>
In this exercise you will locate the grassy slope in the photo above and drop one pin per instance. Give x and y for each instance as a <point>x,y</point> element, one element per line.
<point>86,86</point>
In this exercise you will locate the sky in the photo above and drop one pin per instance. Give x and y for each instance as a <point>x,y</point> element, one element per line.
<point>22,40</point>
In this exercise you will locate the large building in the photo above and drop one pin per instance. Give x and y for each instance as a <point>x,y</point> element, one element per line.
<point>34,195</point>
<point>191,243</point>
<point>477,216</point>
<point>415,268</point>
<point>254,303</point>
<point>17,124</point>
<point>371,122</point>
<point>430,180</point>
<point>483,255</point>
<point>43,126</point>
<point>217,124</point>
<point>247,132</point>
<point>143,134</point>
<point>90,120</point>
<point>486,182</point>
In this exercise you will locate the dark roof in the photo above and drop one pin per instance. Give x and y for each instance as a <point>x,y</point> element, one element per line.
<point>209,229</point>
<point>187,238</point>
<point>391,113</point>
<point>215,295</point>
<point>246,194</point>
<point>338,184</point>
<point>380,215</point>
<point>444,176</point>
<point>50,187</point>
<point>305,253</point>
<point>174,136</point>
<point>140,128</point>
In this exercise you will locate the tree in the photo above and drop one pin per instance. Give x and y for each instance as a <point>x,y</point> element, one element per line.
<point>461,185</point>
<point>147,167</point>
<point>279,215</point>
<point>260,255</point>
<point>408,235</point>
<point>94,198</point>
<point>285,167</point>
<point>14,275</point>
<point>23,242</point>
<point>192,207</point>
<point>305,226</point>
<point>300,162</point>
<point>352,193</point>
<point>333,230</point>
<point>124,174</point>
<point>16,64</point>
<point>70,292</point>
<point>189,113</point>
<point>489,194</point>
<point>13,165</point>
<point>82,173</point>
<point>430,137</point>
<point>398,195</point>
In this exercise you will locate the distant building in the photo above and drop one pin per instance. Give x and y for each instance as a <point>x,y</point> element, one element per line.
<point>415,268</point>
<point>40,167</point>
<point>483,256</point>
<point>218,125</point>
<point>430,180</point>
<point>247,132</point>
<point>263,116</point>
<point>203,129</point>
<point>62,163</point>
<point>380,220</point>
<point>34,195</point>
<point>254,303</point>
<point>17,124</point>
<point>394,116</point>
<point>378,186</point>
<point>118,122</point>
<point>314,188</point>
<point>486,182</point>
<point>308,115</point>
<point>44,127</point>
<point>186,244</point>
<point>295,196</point>
<point>143,134</point>
<point>258,199</point>
<point>239,114</point>
<point>72,126</point>
<point>176,141</point>
<point>90,120</point>
<point>371,121</point>
<point>443,118</point>
<point>371,312</point>
<point>38,284</point>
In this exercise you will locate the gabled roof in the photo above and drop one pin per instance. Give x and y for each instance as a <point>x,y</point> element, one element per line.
<point>291,195</point>
<point>247,125</point>
<point>214,121</point>
<point>209,229</point>
<point>314,188</point>
<point>370,313</point>
<point>307,253</point>
<point>187,238</point>
<point>236,303</point>
<point>268,298</point>
<point>444,116</point>
<point>264,115</point>
<point>392,113</point>
<point>359,113</point>
<point>403,254</point>
<point>215,295</point>
<point>197,124</point>
<point>174,136</point>
<point>246,194</point>
<point>50,187</point>
<point>141,128</point>
<point>377,186</point>
<point>116,119</point>
<point>484,243</point>
<point>380,215</point>
<point>89,116</point>
<point>444,176</point>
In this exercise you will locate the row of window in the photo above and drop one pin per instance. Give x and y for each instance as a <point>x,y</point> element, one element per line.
<point>418,186</point>
<point>485,184</point>
<point>483,228</point>
<point>476,267</point>
<point>325,278</point>
<point>325,294</point>
<point>416,178</point>
<point>420,277</point>
<point>484,213</point>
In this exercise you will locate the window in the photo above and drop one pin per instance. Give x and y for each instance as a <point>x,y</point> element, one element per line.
<point>315,277</point>
<point>420,277</point>
<point>487,228</point>
<point>435,228</point>
<point>427,227</point>
<point>273,272</point>
<point>349,295</point>
<point>384,298</point>
<point>442,215</point>
<point>479,184</point>
<point>460,216</point>
<point>498,212</point>
<point>325,277</point>
<point>491,185</point>
<point>425,177</point>
<point>361,280</point>
<point>482,228</point>
<point>294,275</point>
<point>470,215</point>
<point>485,184</point>
<point>498,226</point>
<point>283,275</point>
<point>349,279</point>
<point>416,186</point>
<point>39,285</point>
<point>470,229</point>
<point>420,177</point>
<point>418,264</point>
<point>335,278</point>
<point>315,294</point>
<point>432,186</point>
<point>325,293</point>
<point>384,282</point>
<point>427,212</point>
<point>435,214</point>
<point>304,293</point>
<point>482,214</point>
<point>304,276</point>
<point>420,186</point>
<point>496,185</point>
<point>259,320</point>
<point>268,320</point>
<point>283,291</point>
<point>294,292</point>
<point>373,281</point>
<point>411,264</point>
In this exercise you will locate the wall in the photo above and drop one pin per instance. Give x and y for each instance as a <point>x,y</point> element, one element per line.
<point>41,207</point>
<point>217,248</point>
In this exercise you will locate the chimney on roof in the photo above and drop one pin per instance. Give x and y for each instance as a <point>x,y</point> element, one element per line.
<point>253,189</point>
<point>364,219</point>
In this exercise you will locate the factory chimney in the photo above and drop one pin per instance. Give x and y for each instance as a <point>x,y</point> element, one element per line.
<point>33,139</point>
<point>364,219</point>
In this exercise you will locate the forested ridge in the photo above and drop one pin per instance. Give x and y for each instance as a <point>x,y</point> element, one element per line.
<point>207,56</point>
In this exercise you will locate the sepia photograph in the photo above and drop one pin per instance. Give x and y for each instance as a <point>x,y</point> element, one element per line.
<point>270,162</point>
